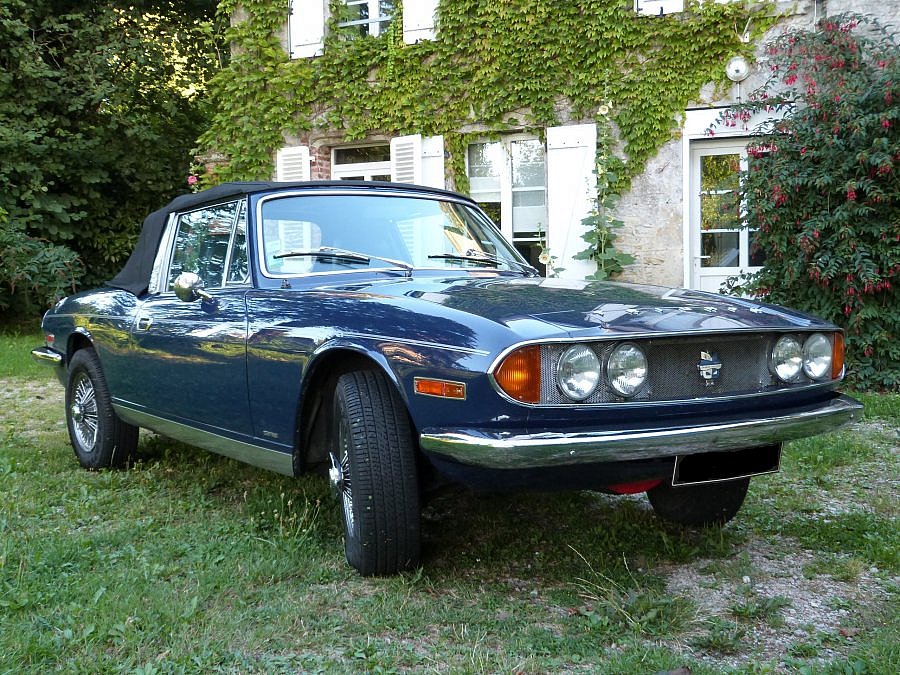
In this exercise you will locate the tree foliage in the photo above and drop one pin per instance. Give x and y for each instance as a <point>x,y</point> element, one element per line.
<point>33,272</point>
<point>823,186</point>
<point>98,115</point>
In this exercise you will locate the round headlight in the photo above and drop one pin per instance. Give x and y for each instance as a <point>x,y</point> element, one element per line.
<point>817,356</point>
<point>626,369</point>
<point>787,358</point>
<point>578,372</point>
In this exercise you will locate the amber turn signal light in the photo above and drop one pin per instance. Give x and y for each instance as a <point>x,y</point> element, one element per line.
<point>837,356</point>
<point>519,374</point>
<point>439,388</point>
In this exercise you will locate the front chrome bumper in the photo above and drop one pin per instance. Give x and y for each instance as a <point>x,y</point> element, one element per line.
<point>502,450</point>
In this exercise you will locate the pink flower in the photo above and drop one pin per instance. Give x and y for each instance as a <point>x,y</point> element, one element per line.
<point>192,180</point>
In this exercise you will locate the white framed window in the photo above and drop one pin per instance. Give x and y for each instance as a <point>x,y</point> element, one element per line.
<point>721,243</point>
<point>367,17</point>
<point>363,162</point>
<point>508,178</point>
<point>307,20</point>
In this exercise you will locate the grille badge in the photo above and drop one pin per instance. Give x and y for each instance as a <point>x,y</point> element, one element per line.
<point>710,368</point>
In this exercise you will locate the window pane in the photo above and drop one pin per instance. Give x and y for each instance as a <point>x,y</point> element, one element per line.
<point>371,153</point>
<point>201,243</point>
<point>486,161</point>
<point>367,17</point>
<point>719,172</point>
<point>722,249</point>
<point>720,211</point>
<point>237,268</point>
<point>529,198</point>
<point>527,163</point>
<point>529,194</point>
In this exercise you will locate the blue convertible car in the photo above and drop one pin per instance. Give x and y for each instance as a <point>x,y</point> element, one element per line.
<point>389,337</point>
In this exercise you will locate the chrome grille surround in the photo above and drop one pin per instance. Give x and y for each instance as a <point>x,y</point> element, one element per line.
<point>673,368</point>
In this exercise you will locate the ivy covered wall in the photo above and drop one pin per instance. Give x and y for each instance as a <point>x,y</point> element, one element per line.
<point>504,65</point>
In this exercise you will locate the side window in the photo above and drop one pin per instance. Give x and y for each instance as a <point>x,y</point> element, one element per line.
<point>201,243</point>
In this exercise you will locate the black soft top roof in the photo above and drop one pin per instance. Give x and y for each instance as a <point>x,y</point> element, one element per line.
<point>135,276</point>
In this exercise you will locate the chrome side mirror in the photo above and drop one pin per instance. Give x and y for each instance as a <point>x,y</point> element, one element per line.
<point>189,286</point>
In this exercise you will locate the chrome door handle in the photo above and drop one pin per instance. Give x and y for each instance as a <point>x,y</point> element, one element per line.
<point>144,322</point>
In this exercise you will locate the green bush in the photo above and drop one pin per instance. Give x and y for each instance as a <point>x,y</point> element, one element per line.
<point>33,272</point>
<point>823,189</point>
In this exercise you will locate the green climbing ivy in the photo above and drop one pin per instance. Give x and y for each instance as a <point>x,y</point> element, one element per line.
<point>494,67</point>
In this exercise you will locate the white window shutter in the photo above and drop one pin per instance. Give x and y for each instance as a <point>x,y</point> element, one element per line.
<point>433,162</point>
<point>418,20</point>
<point>418,160</point>
<point>292,164</point>
<point>406,159</point>
<point>306,27</point>
<point>571,191</point>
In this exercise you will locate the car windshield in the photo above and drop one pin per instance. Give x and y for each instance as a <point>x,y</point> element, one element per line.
<point>303,234</point>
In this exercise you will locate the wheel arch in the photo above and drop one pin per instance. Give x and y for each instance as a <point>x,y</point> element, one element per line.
<point>317,391</point>
<point>79,339</point>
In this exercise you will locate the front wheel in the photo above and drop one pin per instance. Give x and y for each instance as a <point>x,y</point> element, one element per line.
<point>373,473</point>
<point>699,505</point>
<point>100,439</point>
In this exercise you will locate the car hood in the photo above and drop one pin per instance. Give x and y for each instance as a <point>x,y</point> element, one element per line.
<point>537,307</point>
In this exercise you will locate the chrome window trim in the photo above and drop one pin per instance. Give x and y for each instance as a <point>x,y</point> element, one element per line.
<point>646,336</point>
<point>242,208</point>
<point>163,258</point>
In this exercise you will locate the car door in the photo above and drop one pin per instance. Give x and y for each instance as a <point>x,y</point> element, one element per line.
<point>190,357</point>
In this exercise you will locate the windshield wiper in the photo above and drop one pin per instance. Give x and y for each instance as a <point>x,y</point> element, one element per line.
<point>465,258</point>
<point>489,258</point>
<point>525,267</point>
<point>343,255</point>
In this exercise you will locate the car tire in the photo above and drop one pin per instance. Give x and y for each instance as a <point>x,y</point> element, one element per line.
<point>699,505</point>
<point>101,440</point>
<point>373,472</point>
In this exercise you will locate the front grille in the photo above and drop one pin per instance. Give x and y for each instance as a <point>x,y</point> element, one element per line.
<point>673,373</point>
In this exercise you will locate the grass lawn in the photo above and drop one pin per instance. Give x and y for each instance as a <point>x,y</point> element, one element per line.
<point>190,562</point>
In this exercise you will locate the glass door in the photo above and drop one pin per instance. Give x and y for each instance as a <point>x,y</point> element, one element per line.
<point>721,246</point>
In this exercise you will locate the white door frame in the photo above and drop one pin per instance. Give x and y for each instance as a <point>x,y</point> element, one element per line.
<point>712,278</point>
<point>696,126</point>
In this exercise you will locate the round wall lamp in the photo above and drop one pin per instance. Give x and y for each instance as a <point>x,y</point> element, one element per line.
<point>737,69</point>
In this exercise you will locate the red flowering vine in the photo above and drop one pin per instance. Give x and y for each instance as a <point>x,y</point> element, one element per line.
<point>822,187</point>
